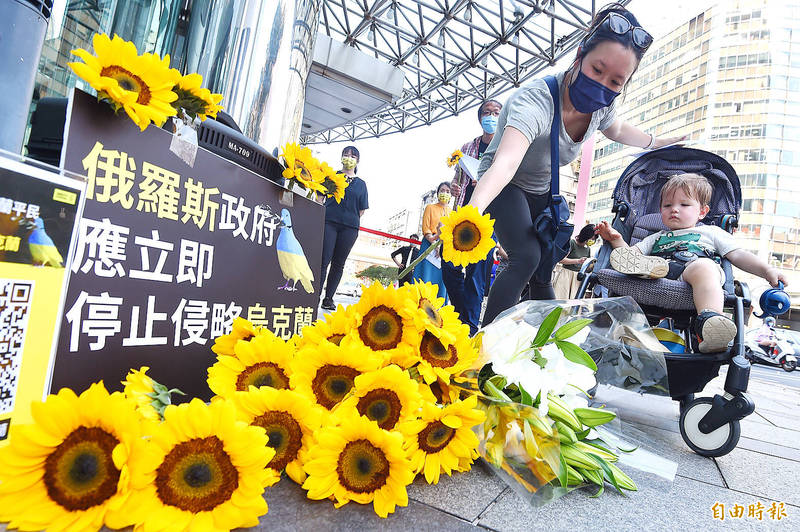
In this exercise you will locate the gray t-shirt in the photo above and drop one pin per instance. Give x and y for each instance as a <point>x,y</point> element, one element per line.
<point>695,239</point>
<point>530,110</point>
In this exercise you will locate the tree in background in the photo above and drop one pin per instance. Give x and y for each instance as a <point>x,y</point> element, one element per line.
<point>385,275</point>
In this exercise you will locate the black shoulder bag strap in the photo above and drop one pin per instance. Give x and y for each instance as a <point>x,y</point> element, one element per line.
<point>555,130</point>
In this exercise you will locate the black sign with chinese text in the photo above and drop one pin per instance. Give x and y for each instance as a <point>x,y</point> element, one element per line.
<point>169,254</point>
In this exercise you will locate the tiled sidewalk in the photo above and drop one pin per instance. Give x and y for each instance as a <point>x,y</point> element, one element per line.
<point>764,468</point>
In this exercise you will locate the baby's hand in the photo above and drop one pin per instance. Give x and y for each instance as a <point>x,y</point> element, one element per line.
<point>774,275</point>
<point>606,232</point>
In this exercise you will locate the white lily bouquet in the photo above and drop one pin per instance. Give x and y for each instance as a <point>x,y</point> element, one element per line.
<point>540,431</point>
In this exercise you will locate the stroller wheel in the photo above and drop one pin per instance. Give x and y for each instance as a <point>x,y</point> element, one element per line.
<point>789,366</point>
<point>717,443</point>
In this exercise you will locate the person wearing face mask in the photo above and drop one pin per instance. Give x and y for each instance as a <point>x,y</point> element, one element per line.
<point>565,276</point>
<point>466,286</point>
<point>514,185</point>
<point>342,221</point>
<point>430,270</point>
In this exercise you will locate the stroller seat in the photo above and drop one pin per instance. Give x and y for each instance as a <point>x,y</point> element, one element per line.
<point>671,295</point>
<point>709,426</point>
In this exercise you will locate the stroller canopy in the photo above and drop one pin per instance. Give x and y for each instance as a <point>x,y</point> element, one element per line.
<point>640,184</point>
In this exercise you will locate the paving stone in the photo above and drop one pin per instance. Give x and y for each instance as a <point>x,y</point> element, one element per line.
<point>761,475</point>
<point>686,505</point>
<point>670,445</point>
<point>770,433</point>
<point>769,448</point>
<point>786,421</point>
<point>290,510</point>
<point>463,495</point>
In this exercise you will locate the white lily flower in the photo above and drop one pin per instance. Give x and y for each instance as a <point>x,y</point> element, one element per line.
<point>575,400</point>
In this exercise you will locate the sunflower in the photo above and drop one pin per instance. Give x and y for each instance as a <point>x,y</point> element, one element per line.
<point>290,420</point>
<point>263,361</point>
<point>454,158</point>
<point>195,100</point>
<point>466,236</point>
<point>139,84</point>
<point>326,372</point>
<point>386,396</point>
<point>242,329</point>
<point>302,166</point>
<point>333,182</point>
<point>380,325</point>
<point>70,469</point>
<point>439,362</point>
<point>440,392</point>
<point>202,470</point>
<point>330,328</point>
<point>358,461</point>
<point>444,438</point>
<point>427,312</point>
<point>139,389</point>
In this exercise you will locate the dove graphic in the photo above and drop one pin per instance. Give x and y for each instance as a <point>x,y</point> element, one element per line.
<point>291,258</point>
<point>43,249</point>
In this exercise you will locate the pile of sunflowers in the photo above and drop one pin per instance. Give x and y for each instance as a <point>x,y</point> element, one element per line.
<point>309,173</point>
<point>353,410</point>
<point>143,86</point>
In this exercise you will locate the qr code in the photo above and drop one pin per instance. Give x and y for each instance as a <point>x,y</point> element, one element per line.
<point>15,305</point>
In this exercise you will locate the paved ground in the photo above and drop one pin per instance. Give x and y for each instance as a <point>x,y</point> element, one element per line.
<point>763,469</point>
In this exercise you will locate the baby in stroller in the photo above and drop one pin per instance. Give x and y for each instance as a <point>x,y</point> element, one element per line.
<point>690,251</point>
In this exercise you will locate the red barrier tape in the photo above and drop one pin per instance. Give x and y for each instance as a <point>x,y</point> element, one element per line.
<point>388,235</point>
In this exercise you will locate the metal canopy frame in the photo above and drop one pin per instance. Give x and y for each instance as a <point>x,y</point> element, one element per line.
<point>454,53</point>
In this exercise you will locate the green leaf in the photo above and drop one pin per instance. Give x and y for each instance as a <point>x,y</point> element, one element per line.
<point>562,471</point>
<point>498,381</point>
<point>525,397</point>
<point>493,391</point>
<point>571,327</point>
<point>546,328</point>
<point>609,474</point>
<point>513,393</point>
<point>485,374</point>
<point>574,353</point>
<point>600,491</point>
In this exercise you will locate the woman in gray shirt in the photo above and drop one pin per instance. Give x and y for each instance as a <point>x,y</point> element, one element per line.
<point>514,186</point>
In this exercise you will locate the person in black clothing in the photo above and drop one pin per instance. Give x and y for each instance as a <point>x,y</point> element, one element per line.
<point>342,221</point>
<point>403,257</point>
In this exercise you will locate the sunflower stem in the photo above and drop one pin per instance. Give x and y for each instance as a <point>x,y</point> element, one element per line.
<point>419,259</point>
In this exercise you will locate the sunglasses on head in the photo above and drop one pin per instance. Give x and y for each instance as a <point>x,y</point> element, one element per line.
<point>621,26</point>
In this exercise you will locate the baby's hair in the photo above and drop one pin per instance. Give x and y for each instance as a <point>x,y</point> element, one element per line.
<point>695,186</point>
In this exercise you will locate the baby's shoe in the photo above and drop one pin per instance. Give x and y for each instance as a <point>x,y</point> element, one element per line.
<point>631,262</point>
<point>714,331</point>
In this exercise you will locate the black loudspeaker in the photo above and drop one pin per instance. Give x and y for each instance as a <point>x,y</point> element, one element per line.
<point>221,136</point>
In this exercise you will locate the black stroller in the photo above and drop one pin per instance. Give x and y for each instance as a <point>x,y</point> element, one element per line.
<point>709,426</point>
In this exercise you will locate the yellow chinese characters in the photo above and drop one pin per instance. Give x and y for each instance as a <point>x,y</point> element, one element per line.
<point>9,243</point>
<point>112,175</point>
<point>775,512</point>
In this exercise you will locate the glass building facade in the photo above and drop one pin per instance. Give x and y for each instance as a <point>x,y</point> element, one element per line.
<point>256,53</point>
<point>729,77</point>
